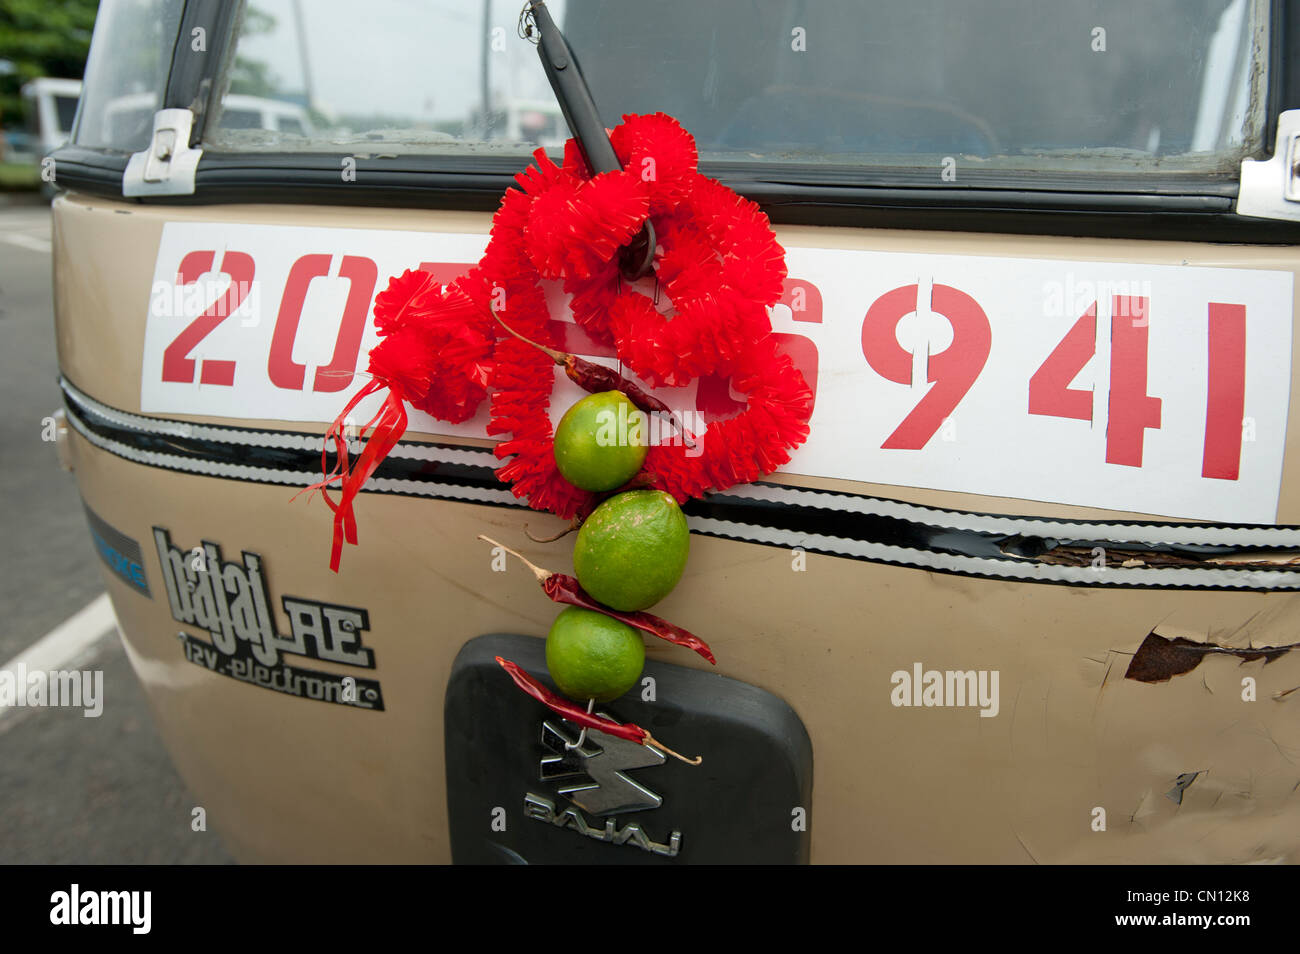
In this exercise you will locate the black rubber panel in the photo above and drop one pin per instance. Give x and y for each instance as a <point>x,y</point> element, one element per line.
<point>198,59</point>
<point>744,804</point>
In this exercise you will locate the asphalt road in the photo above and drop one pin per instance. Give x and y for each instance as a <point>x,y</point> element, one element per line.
<point>73,789</point>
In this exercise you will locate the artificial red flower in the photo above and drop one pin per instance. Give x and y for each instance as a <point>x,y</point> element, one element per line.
<point>436,353</point>
<point>658,151</point>
<point>406,293</point>
<point>718,269</point>
<point>576,228</point>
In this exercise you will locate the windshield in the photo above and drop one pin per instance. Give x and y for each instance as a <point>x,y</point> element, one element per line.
<point>65,108</point>
<point>1095,85</point>
<point>129,57</point>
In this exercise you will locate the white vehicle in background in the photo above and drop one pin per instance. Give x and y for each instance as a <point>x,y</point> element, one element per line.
<point>257,112</point>
<point>51,111</point>
<point>127,114</point>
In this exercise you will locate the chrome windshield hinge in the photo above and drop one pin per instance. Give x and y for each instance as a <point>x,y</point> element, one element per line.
<point>167,167</point>
<point>1270,188</point>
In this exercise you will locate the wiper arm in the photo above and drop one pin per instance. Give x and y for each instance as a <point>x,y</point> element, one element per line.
<point>565,76</point>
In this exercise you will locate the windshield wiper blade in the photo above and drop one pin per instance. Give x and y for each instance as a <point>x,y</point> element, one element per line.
<point>636,259</point>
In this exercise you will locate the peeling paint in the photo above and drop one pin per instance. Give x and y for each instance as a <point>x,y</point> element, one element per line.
<point>1181,784</point>
<point>1159,659</point>
<point>1138,555</point>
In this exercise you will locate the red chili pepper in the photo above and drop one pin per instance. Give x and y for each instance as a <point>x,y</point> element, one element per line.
<point>596,378</point>
<point>570,710</point>
<point>579,715</point>
<point>565,589</point>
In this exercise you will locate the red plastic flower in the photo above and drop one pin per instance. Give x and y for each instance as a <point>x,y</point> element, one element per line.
<point>719,268</point>
<point>437,348</point>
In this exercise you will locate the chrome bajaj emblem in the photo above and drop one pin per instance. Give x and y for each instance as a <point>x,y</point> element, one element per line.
<point>592,768</point>
<point>524,786</point>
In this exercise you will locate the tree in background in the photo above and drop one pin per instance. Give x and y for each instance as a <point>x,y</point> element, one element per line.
<point>41,38</point>
<point>254,77</point>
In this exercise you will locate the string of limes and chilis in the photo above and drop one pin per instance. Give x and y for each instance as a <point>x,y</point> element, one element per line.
<point>593,650</point>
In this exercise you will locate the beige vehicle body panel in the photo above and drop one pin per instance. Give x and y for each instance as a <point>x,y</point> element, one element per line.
<point>292,780</point>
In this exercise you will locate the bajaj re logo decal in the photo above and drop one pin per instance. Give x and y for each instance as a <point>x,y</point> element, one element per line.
<point>601,787</point>
<point>230,600</point>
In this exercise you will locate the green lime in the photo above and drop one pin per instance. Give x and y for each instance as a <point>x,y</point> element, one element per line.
<point>632,550</point>
<point>601,441</point>
<point>591,656</point>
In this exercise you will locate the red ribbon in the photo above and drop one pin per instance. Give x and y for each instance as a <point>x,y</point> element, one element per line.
<point>387,427</point>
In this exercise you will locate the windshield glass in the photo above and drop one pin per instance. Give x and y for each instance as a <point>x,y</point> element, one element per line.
<point>130,55</point>
<point>1096,85</point>
<point>65,108</point>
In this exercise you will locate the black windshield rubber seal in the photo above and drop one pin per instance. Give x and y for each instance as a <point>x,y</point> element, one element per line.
<point>1202,213</point>
<point>1283,91</point>
<point>199,58</point>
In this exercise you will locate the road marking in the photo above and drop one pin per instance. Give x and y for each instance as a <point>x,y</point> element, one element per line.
<point>30,242</point>
<point>68,643</point>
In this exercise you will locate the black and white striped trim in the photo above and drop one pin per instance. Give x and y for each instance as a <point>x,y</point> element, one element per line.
<point>1155,534</point>
<point>845,525</point>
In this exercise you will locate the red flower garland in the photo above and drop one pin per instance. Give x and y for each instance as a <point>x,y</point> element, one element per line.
<point>719,264</point>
